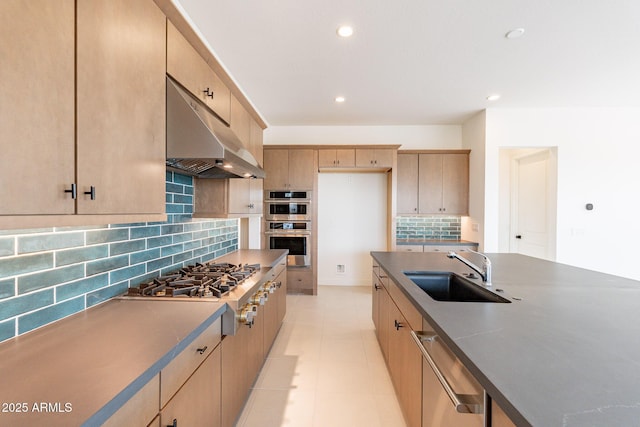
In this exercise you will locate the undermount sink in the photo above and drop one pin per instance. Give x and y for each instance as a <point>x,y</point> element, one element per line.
<point>448,286</point>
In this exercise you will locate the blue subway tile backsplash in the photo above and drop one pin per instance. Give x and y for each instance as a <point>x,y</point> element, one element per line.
<point>50,273</point>
<point>428,227</point>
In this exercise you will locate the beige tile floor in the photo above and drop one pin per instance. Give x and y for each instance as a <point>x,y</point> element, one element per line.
<point>325,367</point>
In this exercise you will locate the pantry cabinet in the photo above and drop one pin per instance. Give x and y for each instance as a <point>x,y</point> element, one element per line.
<point>82,117</point>
<point>433,183</point>
<point>292,169</point>
<point>189,69</point>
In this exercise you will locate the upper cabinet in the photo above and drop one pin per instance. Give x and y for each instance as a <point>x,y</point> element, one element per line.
<point>186,66</point>
<point>374,158</point>
<point>336,158</point>
<point>83,117</point>
<point>289,169</point>
<point>120,107</point>
<point>37,107</point>
<point>433,183</point>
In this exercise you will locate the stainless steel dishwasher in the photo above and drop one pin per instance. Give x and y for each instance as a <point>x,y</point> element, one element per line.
<point>451,396</point>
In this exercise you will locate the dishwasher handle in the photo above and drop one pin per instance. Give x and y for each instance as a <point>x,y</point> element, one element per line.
<point>463,403</point>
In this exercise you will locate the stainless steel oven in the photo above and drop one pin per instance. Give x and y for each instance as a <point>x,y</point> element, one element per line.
<point>294,236</point>
<point>287,205</point>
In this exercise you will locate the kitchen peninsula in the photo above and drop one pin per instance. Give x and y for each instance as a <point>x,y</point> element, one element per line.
<point>562,353</point>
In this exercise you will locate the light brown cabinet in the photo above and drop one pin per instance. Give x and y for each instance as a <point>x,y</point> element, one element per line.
<point>405,366</point>
<point>289,169</point>
<point>198,401</point>
<point>37,107</point>
<point>336,158</point>
<point>189,69</point>
<point>499,418</point>
<point>120,107</point>
<point>393,330</point>
<point>378,158</point>
<point>245,196</point>
<point>113,129</point>
<point>140,409</point>
<point>233,197</point>
<point>256,135</point>
<point>433,183</point>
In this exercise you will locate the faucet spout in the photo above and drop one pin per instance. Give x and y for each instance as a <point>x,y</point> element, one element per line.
<point>484,271</point>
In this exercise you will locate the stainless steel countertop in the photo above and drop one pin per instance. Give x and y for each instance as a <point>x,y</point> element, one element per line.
<point>567,354</point>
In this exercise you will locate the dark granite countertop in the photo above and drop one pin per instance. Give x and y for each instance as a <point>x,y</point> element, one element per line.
<point>566,354</point>
<point>435,242</point>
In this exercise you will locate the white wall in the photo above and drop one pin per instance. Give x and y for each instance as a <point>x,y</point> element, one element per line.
<point>473,137</point>
<point>410,137</point>
<point>597,163</point>
<point>352,209</point>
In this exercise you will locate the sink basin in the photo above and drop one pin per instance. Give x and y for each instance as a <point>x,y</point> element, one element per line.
<point>448,286</point>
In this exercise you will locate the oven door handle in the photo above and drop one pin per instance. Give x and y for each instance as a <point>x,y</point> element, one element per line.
<point>285,234</point>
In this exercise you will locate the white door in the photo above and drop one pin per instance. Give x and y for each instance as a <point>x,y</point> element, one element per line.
<point>532,231</point>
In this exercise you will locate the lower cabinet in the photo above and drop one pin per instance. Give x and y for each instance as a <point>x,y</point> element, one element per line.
<point>405,367</point>
<point>141,409</point>
<point>197,402</point>
<point>499,418</point>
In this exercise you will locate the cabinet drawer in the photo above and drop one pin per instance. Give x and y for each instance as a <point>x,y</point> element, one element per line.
<point>405,306</point>
<point>409,248</point>
<point>447,248</point>
<point>140,409</point>
<point>180,369</point>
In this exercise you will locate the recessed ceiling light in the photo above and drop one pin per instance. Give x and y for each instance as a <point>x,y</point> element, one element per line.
<point>345,31</point>
<point>514,34</point>
<point>228,166</point>
<point>340,99</point>
<point>493,97</point>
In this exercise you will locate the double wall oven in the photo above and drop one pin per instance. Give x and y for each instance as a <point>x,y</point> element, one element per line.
<point>288,224</point>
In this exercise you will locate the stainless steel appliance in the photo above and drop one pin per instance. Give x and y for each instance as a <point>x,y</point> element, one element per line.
<point>451,395</point>
<point>287,205</point>
<point>294,236</point>
<point>237,285</point>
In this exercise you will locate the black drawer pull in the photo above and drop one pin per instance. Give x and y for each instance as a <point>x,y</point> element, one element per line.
<point>201,350</point>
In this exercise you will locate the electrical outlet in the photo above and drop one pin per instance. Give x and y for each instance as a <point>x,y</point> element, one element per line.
<point>340,269</point>
<point>475,226</point>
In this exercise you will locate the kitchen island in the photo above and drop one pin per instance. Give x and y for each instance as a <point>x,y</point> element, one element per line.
<point>564,352</point>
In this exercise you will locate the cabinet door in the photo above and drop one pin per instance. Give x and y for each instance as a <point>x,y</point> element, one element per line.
<point>186,65</point>
<point>405,366</point>
<point>239,192</point>
<point>198,402</point>
<point>374,157</point>
<point>383,157</point>
<point>37,108</point>
<point>430,183</point>
<point>256,195</point>
<point>240,122</point>
<point>498,417</point>
<point>365,157</point>
<point>140,409</point>
<point>346,158</point>
<point>281,291</point>
<point>455,185</point>
<point>327,158</point>
<point>235,365</point>
<point>301,169</point>
<point>407,184</point>
<point>276,167</point>
<point>120,106</point>
<point>256,139</point>
<point>385,322</point>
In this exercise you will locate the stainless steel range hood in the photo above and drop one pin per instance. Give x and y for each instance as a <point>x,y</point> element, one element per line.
<point>200,144</point>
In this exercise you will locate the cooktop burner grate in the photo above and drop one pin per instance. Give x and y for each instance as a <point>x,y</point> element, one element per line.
<point>199,280</point>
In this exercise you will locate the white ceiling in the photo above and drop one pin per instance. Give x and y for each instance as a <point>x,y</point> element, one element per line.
<point>422,62</point>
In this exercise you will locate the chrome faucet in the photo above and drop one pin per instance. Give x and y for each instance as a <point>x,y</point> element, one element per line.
<point>484,272</point>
